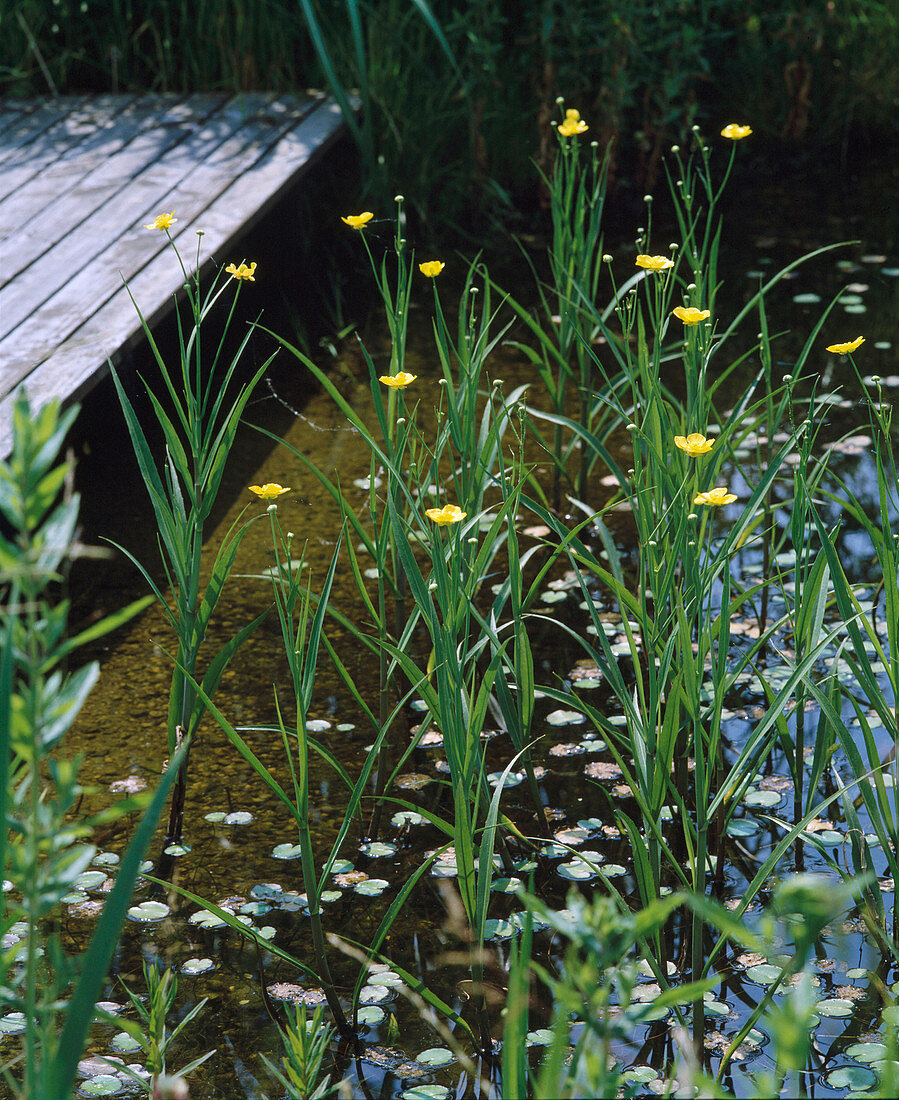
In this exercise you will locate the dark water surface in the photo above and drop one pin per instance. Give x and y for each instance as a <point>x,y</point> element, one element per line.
<point>121,731</point>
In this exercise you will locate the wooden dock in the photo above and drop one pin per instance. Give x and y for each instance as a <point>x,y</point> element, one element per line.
<point>79,179</point>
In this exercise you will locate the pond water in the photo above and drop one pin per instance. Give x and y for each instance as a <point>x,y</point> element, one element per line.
<point>121,731</point>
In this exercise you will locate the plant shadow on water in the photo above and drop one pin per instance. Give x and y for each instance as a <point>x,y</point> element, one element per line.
<point>235,860</point>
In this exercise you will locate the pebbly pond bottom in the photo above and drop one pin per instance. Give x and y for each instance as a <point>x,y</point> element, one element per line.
<point>240,845</point>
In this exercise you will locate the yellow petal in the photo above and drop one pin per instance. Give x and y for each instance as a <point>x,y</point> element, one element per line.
<point>845,349</point>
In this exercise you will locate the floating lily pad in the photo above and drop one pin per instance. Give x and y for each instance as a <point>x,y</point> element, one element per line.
<point>763,973</point>
<point>239,817</point>
<point>426,1092</point>
<point>742,826</point>
<point>717,1008</point>
<point>197,966</point>
<point>505,885</point>
<point>147,912</point>
<point>540,1037</point>
<point>176,850</point>
<point>124,1042</point>
<point>386,977</point>
<point>511,780</point>
<point>499,930</point>
<point>12,1023</point>
<point>375,994</point>
<point>640,1075</point>
<point>371,887</point>
<point>435,1056</point>
<point>614,870</point>
<point>806,299</point>
<point>407,817</point>
<point>866,1052</point>
<point>371,1015</point>
<point>215,817</point>
<point>266,891</point>
<point>287,851</point>
<point>763,799</point>
<point>835,1006</point>
<point>90,880</point>
<point>852,1077</point>
<point>376,849</point>
<point>565,718</point>
<point>318,725</point>
<point>103,1085</point>
<point>577,870</point>
<point>204,918</point>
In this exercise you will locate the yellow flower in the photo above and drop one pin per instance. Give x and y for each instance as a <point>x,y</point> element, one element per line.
<point>844,349</point>
<point>654,263</point>
<point>398,381</point>
<point>573,124</point>
<point>162,221</point>
<point>694,444</point>
<point>358,221</point>
<point>715,496</point>
<point>269,490</point>
<point>432,268</point>
<point>242,271</point>
<point>733,132</point>
<point>690,315</point>
<point>449,513</point>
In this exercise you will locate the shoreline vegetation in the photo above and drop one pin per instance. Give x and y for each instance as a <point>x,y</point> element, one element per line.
<point>735,691</point>
<point>484,78</point>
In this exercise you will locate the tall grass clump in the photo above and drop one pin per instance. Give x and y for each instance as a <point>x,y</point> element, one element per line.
<point>198,409</point>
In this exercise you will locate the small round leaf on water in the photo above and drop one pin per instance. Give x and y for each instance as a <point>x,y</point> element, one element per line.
<point>565,718</point>
<point>374,994</point>
<point>371,887</point>
<point>376,849</point>
<point>148,911</point>
<point>386,977</point>
<point>426,1092</point>
<point>434,1056</point>
<point>498,929</point>
<point>371,1015</point>
<point>835,1006</point>
<point>287,851</point>
<point>90,880</point>
<point>852,1077</point>
<point>122,1041</point>
<point>763,974</point>
<point>866,1052</point>
<point>640,1075</point>
<point>104,1085</point>
<point>239,817</point>
<point>197,966</point>
<point>540,1037</point>
<point>763,799</point>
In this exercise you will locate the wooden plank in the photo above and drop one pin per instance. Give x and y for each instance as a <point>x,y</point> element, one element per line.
<point>221,185</point>
<point>70,192</point>
<point>70,136</point>
<point>86,267</point>
<point>13,111</point>
<point>28,127</point>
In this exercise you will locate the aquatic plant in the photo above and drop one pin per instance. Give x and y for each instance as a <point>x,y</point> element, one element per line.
<point>198,426</point>
<point>44,851</point>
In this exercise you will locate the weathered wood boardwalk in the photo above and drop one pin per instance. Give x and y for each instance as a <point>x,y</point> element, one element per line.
<point>80,177</point>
